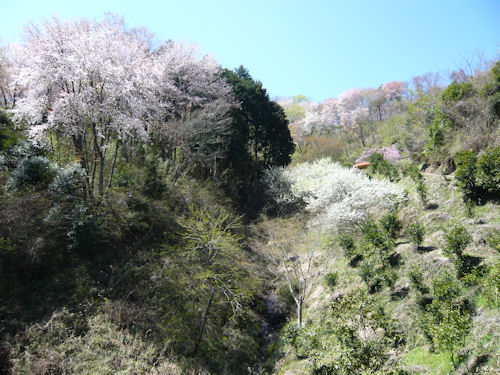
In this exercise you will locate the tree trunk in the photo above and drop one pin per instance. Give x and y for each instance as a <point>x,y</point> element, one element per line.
<point>204,320</point>
<point>101,175</point>
<point>299,313</point>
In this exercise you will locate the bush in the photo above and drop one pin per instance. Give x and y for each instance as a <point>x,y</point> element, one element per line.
<point>153,184</point>
<point>415,232</point>
<point>456,240</point>
<point>413,172</point>
<point>488,170</point>
<point>493,239</point>
<point>465,175</point>
<point>478,177</point>
<point>34,172</point>
<point>470,208</point>
<point>379,165</point>
<point>331,279</point>
<point>417,279</point>
<point>491,286</point>
<point>390,224</point>
<point>457,91</point>
<point>447,319</point>
<point>422,191</point>
<point>346,242</point>
<point>290,334</point>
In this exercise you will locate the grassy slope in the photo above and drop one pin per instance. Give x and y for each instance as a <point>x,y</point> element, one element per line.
<point>445,206</point>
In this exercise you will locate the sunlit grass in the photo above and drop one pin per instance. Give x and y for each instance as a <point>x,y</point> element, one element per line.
<point>433,363</point>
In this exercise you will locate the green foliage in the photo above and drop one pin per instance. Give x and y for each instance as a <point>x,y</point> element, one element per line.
<point>413,172</point>
<point>422,191</point>
<point>331,280</point>
<point>470,207</point>
<point>377,242</point>
<point>153,185</point>
<point>456,240</point>
<point>259,136</point>
<point>493,239</point>
<point>436,134</point>
<point>346,242</point>
<point>415,232</point>
<point>8,137</point>
<point>457,91</point>
<point>491,286</point>
<point>391,225</point>
<point>478,177</point>
<point>465,174</point>
<point>68,181</point>
<point>379,165</point>
<point>417,279</point>
<point>447,319</point>
<point>289,335</point>
<point>35,172</point>
<point>488,170</point>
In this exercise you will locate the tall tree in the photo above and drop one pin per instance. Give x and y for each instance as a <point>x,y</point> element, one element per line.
<point>86,84</point>
<point>259,124</point>
<point>259,138</point>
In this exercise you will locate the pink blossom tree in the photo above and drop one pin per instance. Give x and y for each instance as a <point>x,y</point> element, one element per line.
<point>85,83</point>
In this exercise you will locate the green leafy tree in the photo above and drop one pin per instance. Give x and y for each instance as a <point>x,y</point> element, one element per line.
<point>456,241</point>
<point>259,135</point>
<point>415,232</point>
<point>213,257</point>
<point>465,174</point>
<point>447,319</point>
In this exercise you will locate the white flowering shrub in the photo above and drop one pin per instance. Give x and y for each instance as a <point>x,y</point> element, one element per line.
<point>278,186</point>
<point>337,196</point>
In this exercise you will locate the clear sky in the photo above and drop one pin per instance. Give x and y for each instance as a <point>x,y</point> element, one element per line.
<point>318,48</point>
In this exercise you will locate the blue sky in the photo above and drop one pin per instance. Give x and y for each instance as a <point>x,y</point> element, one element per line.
<point>318,48</point>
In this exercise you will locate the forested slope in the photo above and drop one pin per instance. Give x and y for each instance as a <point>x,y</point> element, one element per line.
<point>150,222</point>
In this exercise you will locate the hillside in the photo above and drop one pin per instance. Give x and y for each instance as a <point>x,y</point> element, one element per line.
<point>160,214</point>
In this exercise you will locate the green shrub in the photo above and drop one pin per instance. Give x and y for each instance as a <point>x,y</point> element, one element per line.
<point>488,170</point>
<point>493,239</point>
<point>415,232</point>
<point>465,175</point>
<point>68,181</point>
<point>413,172</point>
<point>491,286</point>
<point>346,242</point>
<point>34,172</point>
<point>290,334</point>
<point>436,135</point>
<point>331,279</point>
<point>447,320</point>
<point>417,279</point>
<point>389,277</point>
<point>470,207</point>
<point>379,165</point>
<point>478,177</point>
<point>153,184</point>
<point>390,224</point>
<point>422,191</point>
<point>456,240</point>
<point>457,91</point>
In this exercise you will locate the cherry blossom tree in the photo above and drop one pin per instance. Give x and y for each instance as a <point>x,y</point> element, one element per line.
<point>354,113</point>
<point>86,83</point>
<point>185,82</point>
<point>10,90</point>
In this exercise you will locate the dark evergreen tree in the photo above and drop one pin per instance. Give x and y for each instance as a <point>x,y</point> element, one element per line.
<point>259,138</point>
